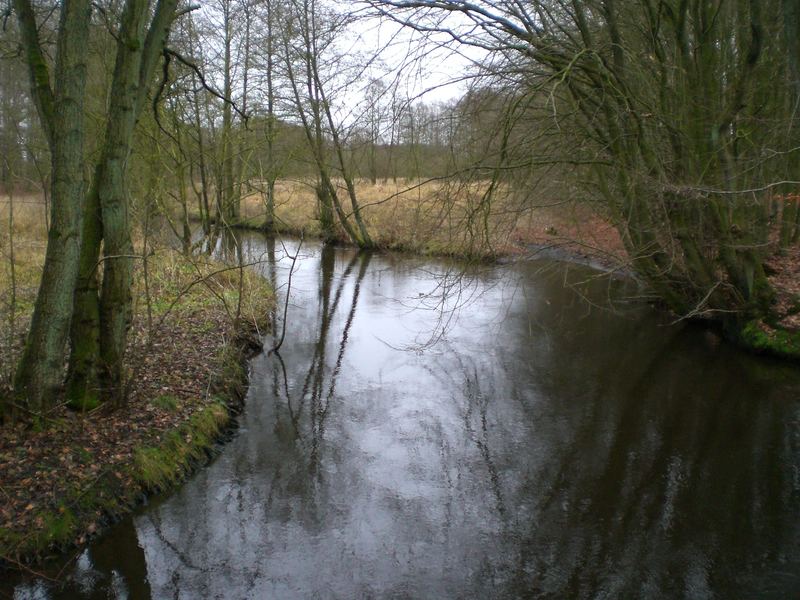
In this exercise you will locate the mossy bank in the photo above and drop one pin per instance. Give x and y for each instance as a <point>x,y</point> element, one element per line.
<point>77,472</point>
<point>761,338</point>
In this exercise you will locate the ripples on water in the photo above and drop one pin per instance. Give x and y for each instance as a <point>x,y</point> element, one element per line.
<point>426,433</point>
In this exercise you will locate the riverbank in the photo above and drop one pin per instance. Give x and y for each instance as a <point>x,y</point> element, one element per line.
<point>432,219</point>
<point>61,484</point>
<point>440,218</point>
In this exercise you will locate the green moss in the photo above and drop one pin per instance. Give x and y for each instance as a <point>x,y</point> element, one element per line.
<point>155,468</point>
<point>9,539</point>
<point>158,467</point>
<point>779,342</point>
<point>83,455</point>
<point>59,528</point>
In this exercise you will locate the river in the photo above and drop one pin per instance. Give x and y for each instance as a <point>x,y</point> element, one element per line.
<point>432,431</point>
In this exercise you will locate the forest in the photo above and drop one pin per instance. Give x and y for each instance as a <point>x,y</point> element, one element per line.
<point>142,140</point>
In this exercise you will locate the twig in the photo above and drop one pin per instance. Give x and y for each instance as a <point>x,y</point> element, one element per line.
<point>187,62</point>
<point>115,256</point>
<point>277,346</point>
<point>27,569</point>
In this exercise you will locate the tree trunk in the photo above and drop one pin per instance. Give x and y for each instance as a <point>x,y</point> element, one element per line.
<point>40,369</point>
<point>136,59</point>
<point>362,238</point>
<point>107,320</point>
<point>83,390</point>
<point>230,204</point>
<point>205,205</point>
<point>269,219</point>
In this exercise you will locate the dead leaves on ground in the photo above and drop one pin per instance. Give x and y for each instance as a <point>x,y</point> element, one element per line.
<point>172,379</point>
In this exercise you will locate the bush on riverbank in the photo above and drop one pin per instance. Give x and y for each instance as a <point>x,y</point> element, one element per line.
<point>74,471</point>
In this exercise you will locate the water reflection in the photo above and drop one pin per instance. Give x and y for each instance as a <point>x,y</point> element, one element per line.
<point>319,375</point>
<point>95,573</point>
<point>541,449</point>
<point>677,479</point>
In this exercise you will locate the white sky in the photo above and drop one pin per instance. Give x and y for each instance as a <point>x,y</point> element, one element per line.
<point>421,67</point>
<point>431,71</point>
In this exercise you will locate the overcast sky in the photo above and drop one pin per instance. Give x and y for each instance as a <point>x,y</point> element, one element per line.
<point>421,67</point>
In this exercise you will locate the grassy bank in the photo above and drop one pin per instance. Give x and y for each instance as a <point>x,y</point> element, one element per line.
<point>777,341</point>
<point>66,480</point>
<point>449,218</point>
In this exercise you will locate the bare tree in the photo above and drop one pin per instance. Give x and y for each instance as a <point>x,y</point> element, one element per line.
<point>679,112</point>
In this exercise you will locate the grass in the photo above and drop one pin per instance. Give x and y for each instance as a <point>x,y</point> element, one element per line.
<point>166,402</point>
<point>445,218</point>
<point>179,284</point>
<point>16,302</point>
<point>775,341</point>
<point>176,285</point>
<point>423,217</point>
<point>158,467</point>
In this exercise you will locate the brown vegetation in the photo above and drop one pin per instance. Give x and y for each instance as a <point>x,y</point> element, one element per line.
<point>453,218</point>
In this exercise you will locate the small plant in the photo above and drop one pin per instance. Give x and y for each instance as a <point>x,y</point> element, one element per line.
<point>166,402</point>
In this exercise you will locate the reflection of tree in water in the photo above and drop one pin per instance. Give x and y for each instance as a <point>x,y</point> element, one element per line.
<point>608,462</point>
<point>473,404</point>
<point>317,389</point>
<point>653,470</point>
<point>114,567</point>
<point>218,522</point>
<point>301,405</point>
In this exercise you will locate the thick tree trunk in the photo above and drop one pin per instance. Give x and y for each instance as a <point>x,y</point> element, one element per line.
<point>105,321</point>
<point>82,386</point>
<point>40,370</point>
<point>325,209</point>
<point>115,293</point>
<point>133,74</point>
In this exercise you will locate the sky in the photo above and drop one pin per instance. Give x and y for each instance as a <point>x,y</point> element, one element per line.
<point>423,68</point>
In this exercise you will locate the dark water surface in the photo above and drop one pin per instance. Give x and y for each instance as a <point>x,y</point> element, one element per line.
<point>542,447</point>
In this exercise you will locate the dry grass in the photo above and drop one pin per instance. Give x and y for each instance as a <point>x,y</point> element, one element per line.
<point>16,301</point>
<point>436,217</point>
<point>30,217</point>
<point>29,241</point>
<point>176,285</point>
